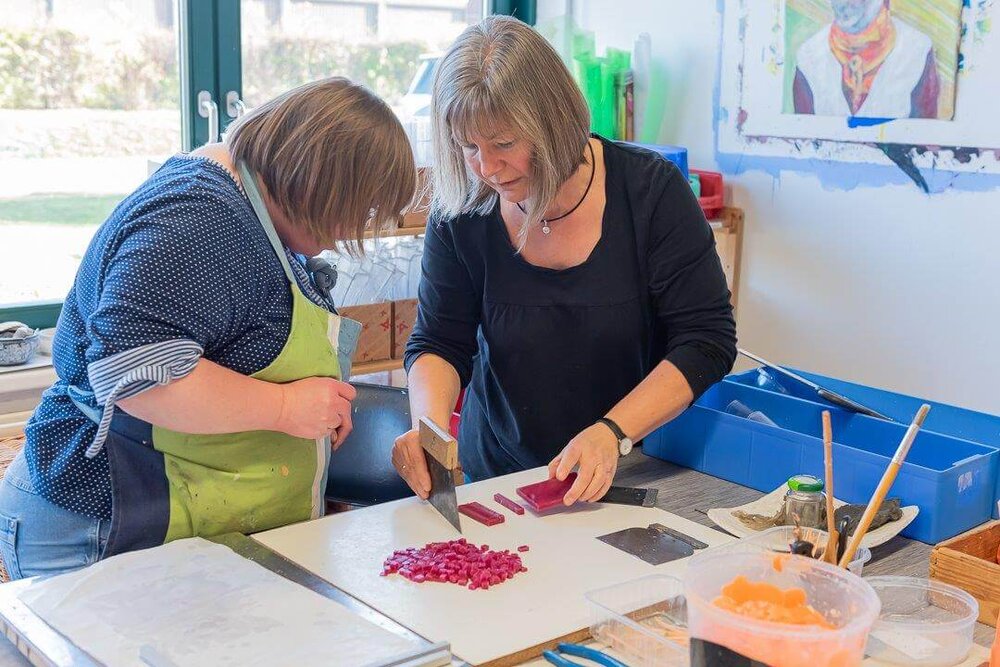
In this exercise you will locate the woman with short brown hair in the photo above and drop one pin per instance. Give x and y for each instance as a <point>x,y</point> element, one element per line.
<point>570,282</point>
<point>198,391</point>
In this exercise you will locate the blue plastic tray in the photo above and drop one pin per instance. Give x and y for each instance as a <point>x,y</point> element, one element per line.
<point>946,419</point>
<point>676,154</point>
<point>951,480</point>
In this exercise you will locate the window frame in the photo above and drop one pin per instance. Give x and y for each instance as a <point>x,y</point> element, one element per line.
<point>522,9</point>
<point>209,58</point>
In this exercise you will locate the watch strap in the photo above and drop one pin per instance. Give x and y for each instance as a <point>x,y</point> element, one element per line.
<point>615,428</point>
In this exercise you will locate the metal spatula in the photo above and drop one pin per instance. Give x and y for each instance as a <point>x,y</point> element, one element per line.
<point>656,544</point>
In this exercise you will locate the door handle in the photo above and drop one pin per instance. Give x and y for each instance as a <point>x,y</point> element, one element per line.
<point>207,108</point>
<point>235,107</point>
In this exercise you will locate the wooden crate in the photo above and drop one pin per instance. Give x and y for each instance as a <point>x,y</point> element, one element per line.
<point>404,314</point>
<point>969,562</point>
<point>375,342</point>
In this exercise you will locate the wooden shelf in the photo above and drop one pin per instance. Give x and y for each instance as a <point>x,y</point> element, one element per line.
<point>366,367</point>
<point>728,230</point>
<point>396,233</point>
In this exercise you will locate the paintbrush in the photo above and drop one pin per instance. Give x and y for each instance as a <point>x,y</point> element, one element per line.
<point>888,477</point>
<point>830,555</point>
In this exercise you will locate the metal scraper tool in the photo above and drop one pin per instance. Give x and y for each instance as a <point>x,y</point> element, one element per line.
<point>441,452</point>
<point>653,544</point>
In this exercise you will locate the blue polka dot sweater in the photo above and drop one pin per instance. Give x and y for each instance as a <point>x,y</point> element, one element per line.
<point>181,270</point>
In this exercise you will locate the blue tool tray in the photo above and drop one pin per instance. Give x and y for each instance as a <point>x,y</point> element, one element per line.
<point>952,480</point>
<point>946,419</point>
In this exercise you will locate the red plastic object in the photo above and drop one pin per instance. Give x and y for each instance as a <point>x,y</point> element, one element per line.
<point>546,495</point>
<point>508,503</point>
<point>481,513</point>
<point>456,415</point>
<point>711,192</point>
<point>523,548</point>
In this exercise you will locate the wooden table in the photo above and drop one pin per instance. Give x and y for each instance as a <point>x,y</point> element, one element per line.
<point>691,494</point>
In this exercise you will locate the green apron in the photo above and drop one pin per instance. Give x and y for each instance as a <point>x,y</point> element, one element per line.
<point>175,485</point>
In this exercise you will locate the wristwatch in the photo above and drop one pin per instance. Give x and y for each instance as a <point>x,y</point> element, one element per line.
<point>624,442</point>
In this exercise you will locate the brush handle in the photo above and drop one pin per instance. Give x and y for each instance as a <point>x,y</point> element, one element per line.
<point>873,505</point>
<point>830,554</point>
<point>828,469</point>
<point>883,486</point>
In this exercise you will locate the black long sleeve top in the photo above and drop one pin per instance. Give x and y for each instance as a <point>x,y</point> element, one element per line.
<point>545,352</point>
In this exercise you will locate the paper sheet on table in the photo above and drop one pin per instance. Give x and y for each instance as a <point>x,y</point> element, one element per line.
<point>194,602</point>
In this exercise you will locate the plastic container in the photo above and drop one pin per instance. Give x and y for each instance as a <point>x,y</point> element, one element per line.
<point>45,337</point>
<point>978,427</point>
<point>922,622</point>
<point>695,184</point>
<point>634,619</point>
<point>844,600</point>
<point>952,481</point>
<point>776,540</point>
<point>676,154</point>
<point>712,191</point>
<point>740,410</point>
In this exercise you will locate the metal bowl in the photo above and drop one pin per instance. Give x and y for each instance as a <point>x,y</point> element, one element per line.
<point>14,351</point>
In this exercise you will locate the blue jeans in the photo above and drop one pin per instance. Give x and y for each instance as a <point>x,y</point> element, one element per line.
<point>40,538</point>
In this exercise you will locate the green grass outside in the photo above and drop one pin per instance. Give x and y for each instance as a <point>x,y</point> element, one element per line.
<point>59,209</point>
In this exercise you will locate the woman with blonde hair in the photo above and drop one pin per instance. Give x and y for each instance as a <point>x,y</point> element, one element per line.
<point>198,390</point>
<point>570,283</point>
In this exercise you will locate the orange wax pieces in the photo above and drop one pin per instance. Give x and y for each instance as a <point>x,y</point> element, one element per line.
<point>767,602</point>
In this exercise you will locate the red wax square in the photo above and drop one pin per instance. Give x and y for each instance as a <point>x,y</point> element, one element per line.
<point>546,495</point>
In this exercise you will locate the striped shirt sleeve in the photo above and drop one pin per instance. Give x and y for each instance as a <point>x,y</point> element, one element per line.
<point>134,371</point>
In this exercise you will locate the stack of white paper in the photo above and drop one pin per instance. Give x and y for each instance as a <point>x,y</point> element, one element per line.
<point>193,602</point>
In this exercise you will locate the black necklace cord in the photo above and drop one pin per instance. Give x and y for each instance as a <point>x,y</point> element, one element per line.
<point>593,170</point>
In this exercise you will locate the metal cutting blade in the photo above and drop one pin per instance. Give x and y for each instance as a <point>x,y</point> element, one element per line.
<point>441,452</point>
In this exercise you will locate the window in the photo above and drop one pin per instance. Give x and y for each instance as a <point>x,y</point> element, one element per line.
<point>94,93</point>
<point>385,45</point>
<point>89,93</point>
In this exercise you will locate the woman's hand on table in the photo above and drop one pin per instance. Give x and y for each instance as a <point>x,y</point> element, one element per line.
<point>409,461</point>
<point>594,452</point>
<point>316,407</point>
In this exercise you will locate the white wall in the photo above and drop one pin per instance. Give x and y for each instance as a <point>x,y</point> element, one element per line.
<point>881,285</point>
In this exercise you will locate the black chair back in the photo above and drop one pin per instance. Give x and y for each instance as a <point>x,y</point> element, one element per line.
<point>361,471</point>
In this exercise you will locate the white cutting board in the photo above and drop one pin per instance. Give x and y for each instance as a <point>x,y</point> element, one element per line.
<point>546,602</point>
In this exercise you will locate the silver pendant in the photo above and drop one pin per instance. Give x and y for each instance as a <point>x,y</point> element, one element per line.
<point>546,229</point>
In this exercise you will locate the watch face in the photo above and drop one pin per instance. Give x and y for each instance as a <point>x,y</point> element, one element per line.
<point>625,446</point>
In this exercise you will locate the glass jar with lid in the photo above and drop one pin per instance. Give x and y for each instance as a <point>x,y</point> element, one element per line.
<point>805,501</point>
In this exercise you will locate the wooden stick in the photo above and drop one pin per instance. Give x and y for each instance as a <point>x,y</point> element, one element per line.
<point>830,555</point>
<point>888,477</point>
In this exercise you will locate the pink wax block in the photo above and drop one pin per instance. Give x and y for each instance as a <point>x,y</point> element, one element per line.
<point>482,514</point>
<point>546,495</point>
<point>508,503</point>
